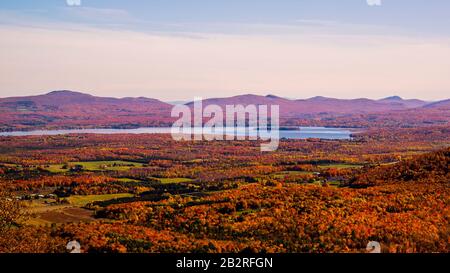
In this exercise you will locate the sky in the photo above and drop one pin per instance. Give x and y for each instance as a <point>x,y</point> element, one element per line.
<point>181,49</point>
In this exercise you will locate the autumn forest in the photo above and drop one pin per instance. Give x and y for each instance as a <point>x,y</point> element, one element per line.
<point>150,194</point>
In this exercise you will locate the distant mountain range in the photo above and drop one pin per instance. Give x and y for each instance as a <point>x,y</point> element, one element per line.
<point>445,104</point>
<point>68,109</point>
<point>67,99</point>
<point>321,104</point>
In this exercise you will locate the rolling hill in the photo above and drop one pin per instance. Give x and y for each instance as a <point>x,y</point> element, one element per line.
<point>445,104</point>
<point>316,105</point>
<point>64,100</point>
<point>69,109</point>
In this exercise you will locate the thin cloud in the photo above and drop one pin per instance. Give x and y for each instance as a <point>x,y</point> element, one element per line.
<point>126,63</point>
<point>177,61</point>
<point>90,14</point>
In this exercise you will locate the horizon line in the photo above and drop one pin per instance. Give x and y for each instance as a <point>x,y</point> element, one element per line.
<point>273,94</point>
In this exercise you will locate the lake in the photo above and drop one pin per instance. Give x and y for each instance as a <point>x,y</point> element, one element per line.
<point>300,133</point>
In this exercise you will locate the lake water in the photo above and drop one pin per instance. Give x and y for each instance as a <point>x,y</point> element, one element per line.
<point>300,133</point>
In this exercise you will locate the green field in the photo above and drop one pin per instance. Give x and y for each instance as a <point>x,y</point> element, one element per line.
<point>174,180</point>
<point>340,166</point>
<point>43,213</point>
<point>116,165</point>
<point>128,180</point>
<point>56,168</point>
<point>83,200</point>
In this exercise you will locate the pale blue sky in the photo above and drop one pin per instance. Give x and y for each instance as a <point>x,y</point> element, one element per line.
<point>175,49</point>
<point>420,16</point>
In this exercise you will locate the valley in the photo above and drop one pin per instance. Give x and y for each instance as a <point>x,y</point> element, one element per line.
<point>149,193</point>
